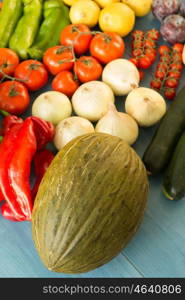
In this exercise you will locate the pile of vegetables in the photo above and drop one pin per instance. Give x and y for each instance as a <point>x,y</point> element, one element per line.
<point>87,69</point>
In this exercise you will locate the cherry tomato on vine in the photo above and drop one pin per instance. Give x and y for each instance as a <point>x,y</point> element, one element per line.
<point>160,74</point>
<point>137,44</point>
<point>76,35</point>
<point>151,54</point>
<point>144,62</point>
<point>178,47</point>
<point>174,74</point>
<point>177,57</point>
<point>171,83</point>
<point>164,49</point>
<point>58,58</point>
<point>138,33</point>
<point>162,66</point>
<point>149,43</point>
<point>137,52</point>
<point>176,66</point>
<point>33,73</point>
<point>9,60</point>
<point>107,46</point>
<point>156,84</point>
<point>135,61</point>
<point>153,34</point>
<point>14,97</point>
<point>87,68</point>
<point>65,82</point>
<point>170,93</point>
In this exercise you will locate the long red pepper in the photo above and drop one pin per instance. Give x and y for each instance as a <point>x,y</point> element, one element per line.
<point>14,180</point>
<point>20,142</point>
<point>42,160</point>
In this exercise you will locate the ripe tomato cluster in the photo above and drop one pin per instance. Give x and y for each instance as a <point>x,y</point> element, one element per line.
<point>144,48</point>
<point>71,64</point>
<point>28,75</point>
<point>79,58</point>
<point>169,70</point>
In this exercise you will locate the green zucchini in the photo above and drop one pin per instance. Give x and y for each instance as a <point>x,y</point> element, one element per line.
<point>174,180</point>
<point>160,149</point>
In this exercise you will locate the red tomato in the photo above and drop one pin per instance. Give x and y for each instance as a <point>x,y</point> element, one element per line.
<point>14,97</point>
<point>33,73</point>
<point>177,57</point>
<point>170,93</point>
<point>164,49</point>
<point>176,67</point>
<point>156,84</point>
<point>138,33</point>
<point>149,43</point>
<point>107,47</point>
<point>144,62</point>
<point>166,58</point>
<point>8,61</point>
<point>65,82</point>
<point>160,74</point>
<point>162,66</point>
<point>76,35</point>
<point>134,61</point>
<point>153,34</point>
<point>174,74</point>
<point>171,83</point>
<point>151,55</point>
<point>87,69</point>
<point>58,58</point>
<point>137,52</point>
<point>137,44</point>
<point>178,47</point>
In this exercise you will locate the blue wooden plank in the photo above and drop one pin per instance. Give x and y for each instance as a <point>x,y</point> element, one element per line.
<point>18,257</point>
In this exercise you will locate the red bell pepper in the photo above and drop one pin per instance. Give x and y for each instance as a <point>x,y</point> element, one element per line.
<point>15,172</point>
<point>19,145</point>
<point>41,161</point>
<point>44,131</point>
<point>10,121</point>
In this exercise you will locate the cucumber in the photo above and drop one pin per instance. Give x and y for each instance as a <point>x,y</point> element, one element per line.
<point>160,149</point>
<point>174,180</point>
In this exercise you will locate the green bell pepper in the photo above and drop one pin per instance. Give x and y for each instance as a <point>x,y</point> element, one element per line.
<point>27,27</point>
<point>10,15</point>
<point>56,17</point>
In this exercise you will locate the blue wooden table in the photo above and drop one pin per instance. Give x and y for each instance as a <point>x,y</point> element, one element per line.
<point>157,250</point>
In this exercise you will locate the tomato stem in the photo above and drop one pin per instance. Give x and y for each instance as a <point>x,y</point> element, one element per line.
<point>1,138</point>
<point>4,113</point>
<point>6,76</point>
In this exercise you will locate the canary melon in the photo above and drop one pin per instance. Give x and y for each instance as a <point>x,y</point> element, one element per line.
<point>90,203</point>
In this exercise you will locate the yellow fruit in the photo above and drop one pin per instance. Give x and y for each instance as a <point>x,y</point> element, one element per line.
<point>104,3</point>
<point>117,17</point>
<point>85,12</point>
<point>140,7</point>
<point>70,2</point>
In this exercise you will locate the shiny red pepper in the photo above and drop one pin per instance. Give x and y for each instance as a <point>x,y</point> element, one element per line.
<point>19,145</point>
<point>15,172</point>
<point>10,121</point>
<point>42,160</point>
<point>44,131</point>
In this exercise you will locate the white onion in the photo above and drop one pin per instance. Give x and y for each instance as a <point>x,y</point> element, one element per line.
<point>52,107</point>
<point>121,75</point>
<point>91,100</point>
<point>118,124</point>
<point>69,129</point>
<point>146,106</point>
